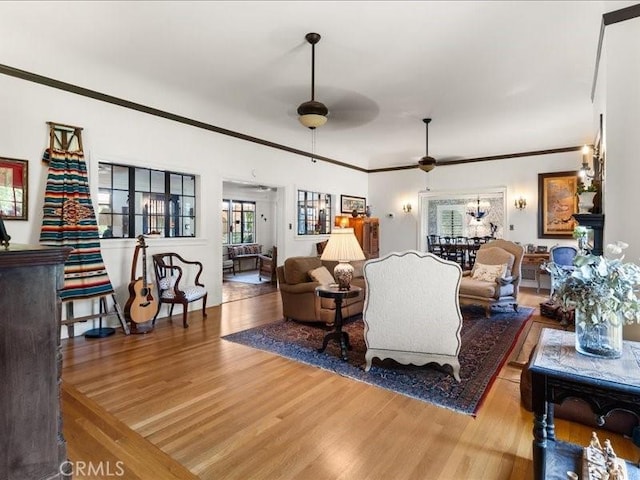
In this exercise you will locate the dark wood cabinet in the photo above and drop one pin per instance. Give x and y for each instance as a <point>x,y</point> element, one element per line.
<point>31,438</point>
<point>367,231</point>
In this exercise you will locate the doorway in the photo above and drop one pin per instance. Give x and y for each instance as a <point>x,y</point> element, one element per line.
<point>249,217</point>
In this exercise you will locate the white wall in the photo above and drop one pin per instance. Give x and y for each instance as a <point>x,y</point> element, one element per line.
<point>389,191</point>
<point>622,126</point>
<point>618,98</point>
<point>116,134</point>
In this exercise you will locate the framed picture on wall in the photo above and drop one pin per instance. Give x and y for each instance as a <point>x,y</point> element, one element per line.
<point>14,183</point>
<point>557,202</point>
<point>348,204</point>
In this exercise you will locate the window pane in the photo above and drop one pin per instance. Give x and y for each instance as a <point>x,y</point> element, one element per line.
<point>120,177</point>
<point>176,183</point>
<point>189,185</point>
<point>120,202</point>
<point>143,180</point>
<point>157,181</point>
<point>104,175</point>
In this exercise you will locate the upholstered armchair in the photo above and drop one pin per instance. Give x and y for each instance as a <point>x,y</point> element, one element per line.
<point>298,278</point>
<point>495,277</point>
<point>411,312</point>
<point>178,281</point>
<point>267,265</point>
<point>562,256</point>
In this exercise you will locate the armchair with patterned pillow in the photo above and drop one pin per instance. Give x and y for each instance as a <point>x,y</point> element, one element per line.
<point>495,277</point>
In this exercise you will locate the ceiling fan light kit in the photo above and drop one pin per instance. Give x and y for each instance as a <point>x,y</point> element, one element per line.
<point>313,114</point>
<point>427,163</point>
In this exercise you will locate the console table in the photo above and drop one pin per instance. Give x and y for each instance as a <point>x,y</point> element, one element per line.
<point>534,261</point>
<point>559,372</point>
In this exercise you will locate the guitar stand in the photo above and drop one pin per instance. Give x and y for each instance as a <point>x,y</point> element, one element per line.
<point>100,332</point>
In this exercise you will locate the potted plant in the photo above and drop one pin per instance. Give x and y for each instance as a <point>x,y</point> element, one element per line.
<point>585,196</point>
<point>603,291</point>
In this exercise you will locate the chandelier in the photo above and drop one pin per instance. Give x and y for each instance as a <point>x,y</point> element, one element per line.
<point>478,209</point>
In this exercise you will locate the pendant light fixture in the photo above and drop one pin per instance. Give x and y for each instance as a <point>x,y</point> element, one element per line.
<point>427,163</point>
<point>313,114</point>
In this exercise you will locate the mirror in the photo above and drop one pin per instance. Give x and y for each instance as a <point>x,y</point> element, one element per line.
<point>14,182</point>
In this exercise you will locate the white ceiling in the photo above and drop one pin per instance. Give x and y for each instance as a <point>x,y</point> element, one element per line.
<point>496,77</point>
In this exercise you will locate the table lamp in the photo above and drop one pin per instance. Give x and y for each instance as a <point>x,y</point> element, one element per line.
<point>343,247</point>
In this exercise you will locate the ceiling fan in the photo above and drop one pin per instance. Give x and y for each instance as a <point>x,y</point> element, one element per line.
<point>427,163</point>
<point>313,114</point>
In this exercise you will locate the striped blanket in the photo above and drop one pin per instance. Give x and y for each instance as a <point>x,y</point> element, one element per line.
<point>69,220</point>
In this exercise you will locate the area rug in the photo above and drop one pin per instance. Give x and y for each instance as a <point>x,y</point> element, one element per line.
<point>250,276</point>
<point>486,343</point>
<point>233,291</point>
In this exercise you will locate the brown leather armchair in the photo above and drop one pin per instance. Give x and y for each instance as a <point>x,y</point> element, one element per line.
<point>503,289</point>
<point>267,265</point>
<point>299,299</point>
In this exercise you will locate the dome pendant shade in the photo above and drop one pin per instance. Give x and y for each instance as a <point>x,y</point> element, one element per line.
<point>313,114</point>
<point>427,163</point>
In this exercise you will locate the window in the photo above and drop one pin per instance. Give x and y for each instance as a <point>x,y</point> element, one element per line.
<point>314,213</point>
<point>163,202</point>
<point>451,220</point>
<point>238,221</point>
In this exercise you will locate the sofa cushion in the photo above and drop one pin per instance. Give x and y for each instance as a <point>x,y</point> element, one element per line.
<point>296,269</point>
<point>495,256</point>
<point>235,251</point>
<point>321,275</point>
<point>478,288</point>
<point>488,273</point>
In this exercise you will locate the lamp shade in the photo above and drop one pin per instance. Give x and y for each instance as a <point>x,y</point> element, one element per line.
<point>342,246</point>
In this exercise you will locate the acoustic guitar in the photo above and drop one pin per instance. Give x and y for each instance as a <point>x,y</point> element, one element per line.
<point>142,305</point>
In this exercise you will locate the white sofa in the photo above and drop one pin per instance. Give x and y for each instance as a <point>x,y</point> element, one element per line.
<point>412,311</point>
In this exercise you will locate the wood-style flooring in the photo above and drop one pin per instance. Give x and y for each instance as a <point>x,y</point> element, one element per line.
<point>182,403</point>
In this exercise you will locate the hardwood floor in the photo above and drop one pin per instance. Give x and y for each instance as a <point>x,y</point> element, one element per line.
<point>182,403</point>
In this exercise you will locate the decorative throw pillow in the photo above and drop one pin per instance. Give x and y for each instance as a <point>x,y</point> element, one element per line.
<point>321,275</point>
<point>488,273</point>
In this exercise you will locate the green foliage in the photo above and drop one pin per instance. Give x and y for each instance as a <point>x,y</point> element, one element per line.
<point>582,188</point>
<point>602,288</point>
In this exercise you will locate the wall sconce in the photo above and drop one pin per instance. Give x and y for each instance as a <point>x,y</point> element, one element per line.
<point>406,208</point>
<point>521,203</point>
<point>586,172</point>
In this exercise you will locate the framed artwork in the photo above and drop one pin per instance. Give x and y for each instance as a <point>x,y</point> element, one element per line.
<point>348,204</point>
<point>557,202</point>
<point>14,182</point>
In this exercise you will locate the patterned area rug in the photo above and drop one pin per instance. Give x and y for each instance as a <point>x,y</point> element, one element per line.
<point>486,343</point>
<point>232,291</point>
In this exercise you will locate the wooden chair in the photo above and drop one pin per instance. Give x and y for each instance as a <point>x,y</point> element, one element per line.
<point>267,265</point>
<point>178,281</point>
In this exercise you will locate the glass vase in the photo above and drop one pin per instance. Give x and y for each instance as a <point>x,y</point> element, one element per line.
<point>603,339</point>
